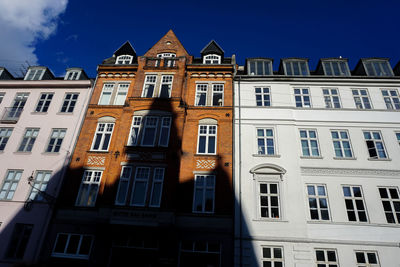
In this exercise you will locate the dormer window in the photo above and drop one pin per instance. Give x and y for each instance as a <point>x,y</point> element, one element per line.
<point>124,59</point>
<point>259,67</point>
<point>296,68</point>
<point>212,59</point>
<point>34,74</point>
<point>377,68</point>
<point>72,75</point>
<point>336,68</point>
<point>163,55</point>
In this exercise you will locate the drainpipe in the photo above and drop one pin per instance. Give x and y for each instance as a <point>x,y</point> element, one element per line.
<point>239,176</point>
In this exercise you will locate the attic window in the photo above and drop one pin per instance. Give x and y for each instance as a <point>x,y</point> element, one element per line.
<point>72,75</point>
<point>336,68</point>
<point>212,59</point>
<point>378,68</point>
<point>163,55</point>
<point>260,67</point>
<point>124,59</point>
<point>34,74</point>
<point>296,68</point>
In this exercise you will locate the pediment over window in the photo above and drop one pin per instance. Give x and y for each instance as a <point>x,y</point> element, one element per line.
<point>106,119</point>
<point>267,168</point>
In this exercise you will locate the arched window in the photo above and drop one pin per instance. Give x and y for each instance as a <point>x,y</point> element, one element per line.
<point>102,137</point>
<point>212,59</point>
<point>124,59</point>
<point>207,136</point>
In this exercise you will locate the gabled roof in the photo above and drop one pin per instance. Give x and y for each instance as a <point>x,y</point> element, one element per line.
<point>169,43</point>
<point>212,48</point>
<point>125,49</point>
<point>5,75</point>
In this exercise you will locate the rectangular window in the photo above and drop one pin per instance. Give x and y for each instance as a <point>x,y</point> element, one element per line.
<point>391,98</point>
<point>166,86</point>
<point>265,142</point>
<point>207,139</point>
<point>260,67</point>
<point>326,258</point>
<point>302,97</point>
<point>211,94</point>
<point>39,185</point>
<point>374,141</point>
<point>318,202</point>
<point>146,130</point>
<point>123,185</point>
<point>18,106</point>
<point>391,203</point>
<point>44,102</point>
<point>140,186</point>
<point>361,98</point>
<point>72,75</point>
<point>192,251</point>
<point>56,139</point>
<point>5,134</point>
<point>2,96</point>
<point>269,200</point>
<point>156,187</point>
<point>204,190</point>
<point>149,84</point>
<point>367,259</point>
<point>341,144</point>
<point>354,200</point>
<point>378,68</point>
<point>72,246</point>
<point>28,140</point>
<point>10,184</point>
<point>309,143</point>
<point>19,240</point>
<point>149,131</point>
<point>106,93</point>
<point>135,130</point>
<point>102,137</point>
<point>34,74</point>
<point>331,97</point>
<point>263,97</point>
<point>272,256</point>
<point>296,68</point>
<point>114,94</point>
<point>218,95</point>
<point>69,103</point>
<point>89,188</point>
<point>121,94</point>
<point>164,131</point>
<point>336,68</point>
<point>397,136</point>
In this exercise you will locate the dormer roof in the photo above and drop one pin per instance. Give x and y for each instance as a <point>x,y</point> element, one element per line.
<point>212,48</point>
<point>125,49</point>
<point>5,75</point>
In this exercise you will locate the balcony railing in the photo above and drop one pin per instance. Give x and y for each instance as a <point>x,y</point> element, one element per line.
<point>157,62</point>
<point>11,114</point>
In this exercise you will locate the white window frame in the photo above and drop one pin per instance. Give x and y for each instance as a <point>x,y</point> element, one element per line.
<point>212,59</point>
<point>353,199</point>
<point>272,259</point>
<point>34,74</point>
<point>40,183</point>
<point>207,135</point>
<point>124,60</point>
<point>124,181</point>
<point>138,128</point>
<point>375,138</point>
<point>259,67</point>
<point>300,97</point>
<point>318,196</point>
<point>166,80</point>
<point>5,134</point>
<point>102,130</point>
<point>148,126</point>
<point>331,98</point>
<point>69,102</point>
<point>28,140</point>
<point>44,102</point>
<point>203,188</point>
<point>73,75</point>
<point>341,66</point>
<point>165,128</point>
<point>91,178</point>
<point>201,89</point>
<point>392,196</point>
<point>217,89</point>
<point>367,262</point>
<point>57,135</point>
<point>325,262</point>
<point>269,196</point>
<point>263,96</point>
<point>265,138</point>
<point>168,59</point>
<point>339,143</point>
<point>209,89</point>
<point>72,255</point>
<point>142,180</point>
<point>309,146</point>
<point>391,98</point>
<point>375,68</point>
<point>150,80</point>
<point>108,89</point>
<point>10,184</point>
<point>158,180</point>
<point>122,89</point>
<point>361,98</point>
<point>2,94</point>
<point>289,67</point>
<point>398,137</point>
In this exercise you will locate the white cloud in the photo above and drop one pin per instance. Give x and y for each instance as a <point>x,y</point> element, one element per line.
<point>22,24</point>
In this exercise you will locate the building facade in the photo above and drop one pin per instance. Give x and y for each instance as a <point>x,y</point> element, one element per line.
<point>40,120</point>
<point>150,181</point>
<point>317,168</point>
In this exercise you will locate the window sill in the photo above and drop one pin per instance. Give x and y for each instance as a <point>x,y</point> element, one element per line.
<point>269,220</point>
<point>65,113</point>
<point>355,223</point>
<point>266,156</point>
<point>51,153</point>
<point>23,152</point>
<point>387,159</point>
<point>39,113</point>
<point>98,151</point>
<point>352,158</point>
<point>206,155</point>
<point>310,157</point>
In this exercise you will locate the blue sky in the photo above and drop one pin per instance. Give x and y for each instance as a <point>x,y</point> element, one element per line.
<point>83,33</point>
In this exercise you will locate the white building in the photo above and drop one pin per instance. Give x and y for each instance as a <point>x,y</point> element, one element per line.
<point>317,164</point>
<point>40,118</point>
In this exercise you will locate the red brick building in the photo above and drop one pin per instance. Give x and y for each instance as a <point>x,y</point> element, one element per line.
<point>150,181</point>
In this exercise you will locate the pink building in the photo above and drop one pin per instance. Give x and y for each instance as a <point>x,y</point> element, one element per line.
<point>40,118</point>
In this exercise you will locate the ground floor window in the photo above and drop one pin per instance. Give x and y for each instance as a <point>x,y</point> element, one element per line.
<point>200,254</point>
<point>272,257</point>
